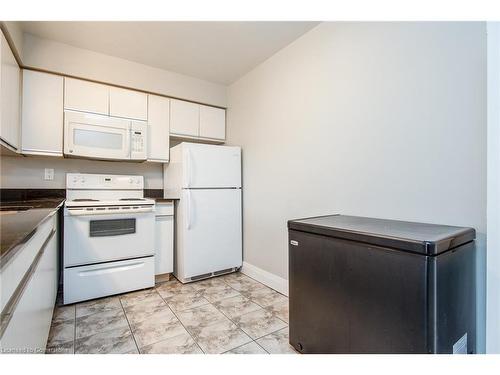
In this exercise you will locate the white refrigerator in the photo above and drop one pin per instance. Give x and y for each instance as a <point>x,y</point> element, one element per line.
<point>207,181</point>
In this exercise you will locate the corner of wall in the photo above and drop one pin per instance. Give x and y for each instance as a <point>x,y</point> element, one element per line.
<point>272,281</point>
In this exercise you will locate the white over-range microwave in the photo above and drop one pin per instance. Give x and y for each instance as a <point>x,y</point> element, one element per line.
<point>101,137</point>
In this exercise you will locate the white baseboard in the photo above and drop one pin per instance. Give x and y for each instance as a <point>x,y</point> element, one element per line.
<point>271,280</point>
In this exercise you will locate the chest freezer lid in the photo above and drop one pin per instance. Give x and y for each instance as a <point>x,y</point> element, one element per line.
<point>427,239</point>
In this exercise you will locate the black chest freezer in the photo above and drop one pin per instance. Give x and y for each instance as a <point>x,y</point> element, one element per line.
<point>363,285</point>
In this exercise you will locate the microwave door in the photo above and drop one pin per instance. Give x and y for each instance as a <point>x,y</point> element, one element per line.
<point>97,141</point>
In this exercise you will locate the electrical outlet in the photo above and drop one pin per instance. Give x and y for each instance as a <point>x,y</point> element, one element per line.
<point>49,174</point>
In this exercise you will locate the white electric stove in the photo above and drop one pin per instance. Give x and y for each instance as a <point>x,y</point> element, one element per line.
<point>108,236</point>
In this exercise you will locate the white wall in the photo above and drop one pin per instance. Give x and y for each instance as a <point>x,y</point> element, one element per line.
<point>65,59</point>
<point>28,172</point>
<point>493,268</point>
<point>373,119</point>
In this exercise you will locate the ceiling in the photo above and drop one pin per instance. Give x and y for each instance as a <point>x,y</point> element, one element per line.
<point>215,51</point>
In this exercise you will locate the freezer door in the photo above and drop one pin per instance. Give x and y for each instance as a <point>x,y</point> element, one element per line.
<point>210,166</point>
<point>210,238</point>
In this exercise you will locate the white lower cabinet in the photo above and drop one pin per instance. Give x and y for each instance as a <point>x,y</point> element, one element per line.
<point>164,238</point>
<point>28,328</point>
<point>13,271</point>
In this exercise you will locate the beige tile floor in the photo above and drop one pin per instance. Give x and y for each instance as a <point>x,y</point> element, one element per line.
<point>227,314</point>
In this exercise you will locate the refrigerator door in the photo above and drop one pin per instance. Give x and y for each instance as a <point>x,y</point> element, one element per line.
<point>210,166</point>
<point>209,232</point>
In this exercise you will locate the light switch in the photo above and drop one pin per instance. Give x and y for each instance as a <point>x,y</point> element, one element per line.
<point>49,174</point>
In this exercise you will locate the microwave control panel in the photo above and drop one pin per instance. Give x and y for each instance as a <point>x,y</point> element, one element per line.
<point>137,141</point>
<point>138,136</point>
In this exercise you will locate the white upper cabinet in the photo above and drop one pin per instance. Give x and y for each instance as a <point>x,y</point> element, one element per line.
<point>93,97</point>
<point>158,128</point>
<point>42,114</point>
<point>128,103</point>
<point>86,96</point>
<point>192,120</point>
<point>10,81</point>
<point>212,122</point>
<point>184,118</point>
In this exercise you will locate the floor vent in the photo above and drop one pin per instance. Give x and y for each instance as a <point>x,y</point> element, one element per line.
<point>211,274</point>
<point>199,277</point>
<point>223,271</point>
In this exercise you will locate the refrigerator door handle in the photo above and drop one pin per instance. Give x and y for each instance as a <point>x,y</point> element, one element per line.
<point>188,206</point>
<point>188,168</point>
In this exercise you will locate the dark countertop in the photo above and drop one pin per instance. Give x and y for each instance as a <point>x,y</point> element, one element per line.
<point>16,226</point>
<point>169,198</point>
<point>163,200</point>
<point>157,195</point>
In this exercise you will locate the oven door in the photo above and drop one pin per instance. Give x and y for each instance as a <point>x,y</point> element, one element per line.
<point>90,239</point>
<point>95,136</point>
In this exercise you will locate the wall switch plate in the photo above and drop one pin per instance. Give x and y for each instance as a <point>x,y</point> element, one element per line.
<point>49,174</point>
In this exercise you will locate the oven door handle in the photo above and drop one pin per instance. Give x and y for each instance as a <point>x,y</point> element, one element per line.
<point>85,212</point>
<point>110,269</point>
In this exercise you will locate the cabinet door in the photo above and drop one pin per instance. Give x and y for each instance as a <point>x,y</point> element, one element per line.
<point>128,104</point>
<point>164,245</point>
<point>212,122</point>
<point>14,270</point>
<point>10,80</point>
<point>86,96</point>
<point>184,118</point>
<point>42,114</point>
<point>158,128</point>
<point>29,326</point>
